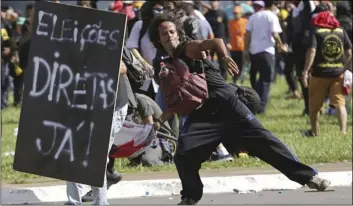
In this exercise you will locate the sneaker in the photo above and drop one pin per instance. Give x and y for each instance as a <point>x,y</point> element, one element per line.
<point>88,197</point>
<point>318,183</point>
<point>187,201</point>
<point>223,158</point>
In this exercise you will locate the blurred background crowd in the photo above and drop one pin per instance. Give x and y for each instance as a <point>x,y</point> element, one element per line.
<point>215,19</point>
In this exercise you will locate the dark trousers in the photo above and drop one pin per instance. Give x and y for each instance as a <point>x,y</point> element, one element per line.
<point>278,68</point>
<point>262,63</point>
<point>289,71</point>
<point>5,83</point>
<point>237,56</point>
<point>299,61</point>
<point>248,134</point>
<point>18,89</point>
<point>17,85</point>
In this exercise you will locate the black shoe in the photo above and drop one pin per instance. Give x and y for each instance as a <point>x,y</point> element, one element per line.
<point>88,197</point>
<point>114,176</point>
<point>187,201</point>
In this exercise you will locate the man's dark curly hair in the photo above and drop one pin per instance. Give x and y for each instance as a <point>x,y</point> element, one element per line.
<point>153,30</point>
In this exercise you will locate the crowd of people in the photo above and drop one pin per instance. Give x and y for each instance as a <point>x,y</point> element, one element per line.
<point>309,42</point>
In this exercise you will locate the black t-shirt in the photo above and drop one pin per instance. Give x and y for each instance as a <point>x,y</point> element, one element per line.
<point>219,23</point>
<point>330,45</point>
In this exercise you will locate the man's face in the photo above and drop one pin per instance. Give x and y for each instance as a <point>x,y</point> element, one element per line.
<point>215,4</point>
<point>237,11</point>
<point>169,5</point>
<point>168,35</point>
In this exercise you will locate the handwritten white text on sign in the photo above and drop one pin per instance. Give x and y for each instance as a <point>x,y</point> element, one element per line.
<point>102,85</point>
<point>67,31</point>
<point>66,145</point>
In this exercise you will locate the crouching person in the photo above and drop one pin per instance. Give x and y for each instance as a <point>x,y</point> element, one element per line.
<point>75,190</point>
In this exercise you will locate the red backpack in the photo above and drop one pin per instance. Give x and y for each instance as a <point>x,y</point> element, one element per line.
<point>183,91</point>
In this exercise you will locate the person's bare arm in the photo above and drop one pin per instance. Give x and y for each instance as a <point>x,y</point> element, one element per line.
<point>247,46</point>
<point>247,41</point>
<point>348,60</point>
<point>277,38</point>
<point>279,43</point>
<point>309,59</point>
<point>138,56</point>
<point>211,36</point>
<point>166,115</point>
<point>309,56</point>
<point>195,48</point>
<point>123,68</point>
<point>148,120</point>
<point>348,66</point>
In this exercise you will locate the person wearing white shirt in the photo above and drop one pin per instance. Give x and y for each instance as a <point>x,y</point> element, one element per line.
<point>261,38</point>
<point>142,47</point>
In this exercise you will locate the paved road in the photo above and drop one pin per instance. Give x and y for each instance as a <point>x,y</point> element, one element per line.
<point>327,167</point>
<point>334,196</point>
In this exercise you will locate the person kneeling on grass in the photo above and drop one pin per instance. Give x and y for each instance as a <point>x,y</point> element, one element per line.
<point>222,118</point>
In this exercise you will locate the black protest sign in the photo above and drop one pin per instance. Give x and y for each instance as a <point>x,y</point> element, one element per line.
<point>70,91</point>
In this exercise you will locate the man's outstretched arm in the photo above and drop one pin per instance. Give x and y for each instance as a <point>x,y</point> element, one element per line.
<point>194,50</point>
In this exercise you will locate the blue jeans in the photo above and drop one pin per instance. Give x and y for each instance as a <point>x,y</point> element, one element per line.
<point>263,63</point>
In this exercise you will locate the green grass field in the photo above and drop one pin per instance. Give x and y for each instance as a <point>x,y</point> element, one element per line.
<point>283,118</point>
